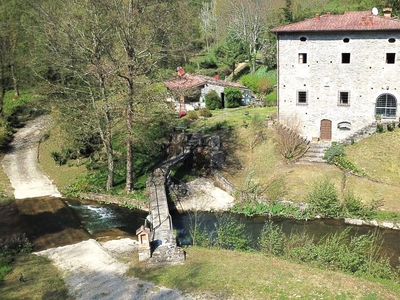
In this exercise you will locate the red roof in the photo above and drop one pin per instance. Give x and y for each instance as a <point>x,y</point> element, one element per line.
<point>349,21</point>
<point>189,81</point>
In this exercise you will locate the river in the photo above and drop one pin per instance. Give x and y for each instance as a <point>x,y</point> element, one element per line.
<point>109,220</point>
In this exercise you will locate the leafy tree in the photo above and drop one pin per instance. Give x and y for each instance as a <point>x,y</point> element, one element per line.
<point>233,96</point>
<point>105,55</point>
<point>212,100</point>
<point>232,50</point>
<point>287,12</point>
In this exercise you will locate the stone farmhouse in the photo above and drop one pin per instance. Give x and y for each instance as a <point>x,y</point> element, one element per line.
<point>191,89</point>
<point>338,73</point>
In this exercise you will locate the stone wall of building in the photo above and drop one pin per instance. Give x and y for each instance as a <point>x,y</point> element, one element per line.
<point>323,76</point>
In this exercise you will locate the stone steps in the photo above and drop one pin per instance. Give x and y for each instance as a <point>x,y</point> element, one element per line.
<point>315,153</point>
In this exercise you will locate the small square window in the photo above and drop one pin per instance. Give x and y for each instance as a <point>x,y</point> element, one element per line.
<point>301,97</point>
<point>302,58</point>
<point>390,58</point>
<point>344,98</point>
<point>345,58</point>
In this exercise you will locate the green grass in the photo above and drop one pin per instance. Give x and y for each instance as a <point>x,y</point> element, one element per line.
<point>43,281</point>
<point>210,273</point>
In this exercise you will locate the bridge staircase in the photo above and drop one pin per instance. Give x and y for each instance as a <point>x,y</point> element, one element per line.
<point>163,245</point>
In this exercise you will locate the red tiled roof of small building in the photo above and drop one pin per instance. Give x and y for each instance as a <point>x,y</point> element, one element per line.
<point>349,21</point>
<point>189,81</point>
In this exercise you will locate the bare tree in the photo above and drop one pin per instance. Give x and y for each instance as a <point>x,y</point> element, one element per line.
<point>208,21</point>
<point>143,29</point>
<point>78,38</point>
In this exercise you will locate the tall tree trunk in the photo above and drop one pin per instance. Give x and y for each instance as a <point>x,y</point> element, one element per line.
<point>129,181</point>
<point>106,136</point>
<point>129,149</point>
<point>15,81</point>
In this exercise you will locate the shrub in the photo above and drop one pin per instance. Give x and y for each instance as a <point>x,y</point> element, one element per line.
<point>324,199</point>
<point>204,112</point>
<point>332,152</point>
<point>232,97</point>
<point>230,234</point>
<point>391,126</point>
<point>271,99</point>
<point>192,115</point>
<point>213,101</point>
<point>272,240</point>
<point>380,128</point>
<point>290,144</point>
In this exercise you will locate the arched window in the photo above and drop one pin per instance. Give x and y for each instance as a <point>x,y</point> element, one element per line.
<point>386,106</point>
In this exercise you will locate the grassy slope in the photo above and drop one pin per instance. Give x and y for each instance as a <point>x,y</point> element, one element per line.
<point>212,275</point>
<point>376,155</point>
<point>252,275</point>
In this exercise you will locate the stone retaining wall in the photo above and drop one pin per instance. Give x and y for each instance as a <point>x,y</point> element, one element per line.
<point>123,201</point>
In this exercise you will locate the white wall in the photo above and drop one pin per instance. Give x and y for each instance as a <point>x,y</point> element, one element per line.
<point>323,76</point>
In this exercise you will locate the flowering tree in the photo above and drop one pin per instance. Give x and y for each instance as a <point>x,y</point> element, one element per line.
<point>268,52</point>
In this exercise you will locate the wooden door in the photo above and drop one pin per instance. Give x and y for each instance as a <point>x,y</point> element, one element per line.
<point>326,130</point>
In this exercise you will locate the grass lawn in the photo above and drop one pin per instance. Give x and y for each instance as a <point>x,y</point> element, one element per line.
<point>43,280</point>
<point>211,274</point>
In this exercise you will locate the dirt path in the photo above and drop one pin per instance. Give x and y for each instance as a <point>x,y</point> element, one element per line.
<point>21,164</point>
<point>90,269</point>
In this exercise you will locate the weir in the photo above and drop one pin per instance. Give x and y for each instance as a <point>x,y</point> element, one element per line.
<point>162,248</point>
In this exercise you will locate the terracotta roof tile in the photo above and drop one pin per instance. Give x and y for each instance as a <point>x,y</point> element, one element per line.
<point>189,81</point>
<point>349,21</point>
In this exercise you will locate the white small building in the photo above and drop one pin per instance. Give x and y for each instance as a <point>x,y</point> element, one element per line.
<point>190,89</point>
<point>336,73</point>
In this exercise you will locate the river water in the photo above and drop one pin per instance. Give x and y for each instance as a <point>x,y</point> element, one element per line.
<point>110,220</point>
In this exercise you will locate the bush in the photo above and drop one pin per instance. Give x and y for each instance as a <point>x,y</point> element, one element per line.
<point>324,199</point>
<point>289,143</point>
<point>213,101</point>
<point>332,152</point>
<point>272,240</point>
<point>230,234</point>
<point>204,112</point>
<point>380,128</point>
<point>233,96</point>
<point>192,115</point>
<point>271,99</point>
<point>391,126</point>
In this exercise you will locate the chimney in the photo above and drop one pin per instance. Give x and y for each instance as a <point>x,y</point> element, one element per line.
<point>363,21</point>
<point>370,20</point>
<point>387,12</point>
<point>317,17</point>
<point>216,76</point>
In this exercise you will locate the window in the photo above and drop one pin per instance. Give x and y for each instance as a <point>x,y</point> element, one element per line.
<point>386,105</point>
<point>346,40</point>
<point>302,58</point>
<point>303,39</point>
<point>390,58</point>
<point>391,40</point>
<point>344,98</point>
<point>345,58</point>
<point>301,97</point>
